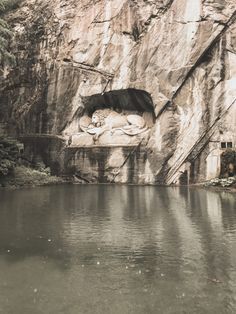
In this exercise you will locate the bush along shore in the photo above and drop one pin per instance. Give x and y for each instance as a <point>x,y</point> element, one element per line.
<point>24,176</point>
<point>15,172</point>
<point>222,183</point>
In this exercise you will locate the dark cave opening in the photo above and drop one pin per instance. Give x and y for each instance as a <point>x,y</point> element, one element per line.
<point>120,100</point>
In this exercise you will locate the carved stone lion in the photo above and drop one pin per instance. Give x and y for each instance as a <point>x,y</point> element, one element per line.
<point>109,120</point>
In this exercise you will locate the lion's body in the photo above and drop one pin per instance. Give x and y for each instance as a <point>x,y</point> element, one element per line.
<point>107,120</point>
<point>105,117</point>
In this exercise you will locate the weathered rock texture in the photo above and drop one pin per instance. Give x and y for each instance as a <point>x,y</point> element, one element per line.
<point>179,53</point>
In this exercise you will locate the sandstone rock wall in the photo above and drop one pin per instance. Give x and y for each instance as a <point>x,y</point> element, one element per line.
<point>181,52</point>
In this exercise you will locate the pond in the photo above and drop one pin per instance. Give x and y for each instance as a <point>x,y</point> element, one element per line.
<point>114,249</point>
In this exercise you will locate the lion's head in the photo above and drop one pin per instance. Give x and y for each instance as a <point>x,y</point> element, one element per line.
<point>99,116</point>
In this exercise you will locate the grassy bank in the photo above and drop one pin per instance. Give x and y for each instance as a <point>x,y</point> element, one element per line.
<point>24,176</point>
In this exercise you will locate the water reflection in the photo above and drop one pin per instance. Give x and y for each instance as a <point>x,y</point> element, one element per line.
<point>117,249</point>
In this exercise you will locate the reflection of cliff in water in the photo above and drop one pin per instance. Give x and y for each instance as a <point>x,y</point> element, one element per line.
<point>184,236</point>
<point>169,223</point>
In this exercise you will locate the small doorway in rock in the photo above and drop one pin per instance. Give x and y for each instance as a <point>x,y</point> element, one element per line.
<point>183,179</point>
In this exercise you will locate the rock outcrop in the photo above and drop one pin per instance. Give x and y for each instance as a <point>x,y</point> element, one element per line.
<point>174,60</point>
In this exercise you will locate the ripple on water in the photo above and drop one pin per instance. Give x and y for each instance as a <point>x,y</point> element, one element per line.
<point>117,249</point>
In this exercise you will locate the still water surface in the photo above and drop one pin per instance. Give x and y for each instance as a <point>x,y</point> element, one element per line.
<point>117,249</point>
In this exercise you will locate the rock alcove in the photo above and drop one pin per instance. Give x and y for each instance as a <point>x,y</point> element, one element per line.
<point>120,117</point>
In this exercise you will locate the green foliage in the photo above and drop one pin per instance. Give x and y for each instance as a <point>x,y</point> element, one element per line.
<point>14,174</point>
<point>9,154</point>
<point>25,176</point>
<point>6,5</point>
<point>6,58</point>
<point>229,156</point>
<point>2,6</point>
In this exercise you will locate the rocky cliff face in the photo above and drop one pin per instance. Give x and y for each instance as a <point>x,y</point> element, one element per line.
<point>173,58</point>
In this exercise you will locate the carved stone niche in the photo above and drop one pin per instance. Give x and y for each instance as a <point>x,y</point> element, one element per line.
<point>121,117</point>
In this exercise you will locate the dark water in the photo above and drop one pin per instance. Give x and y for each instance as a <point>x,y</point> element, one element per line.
<point>117,249</point>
